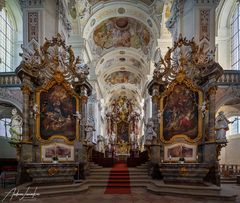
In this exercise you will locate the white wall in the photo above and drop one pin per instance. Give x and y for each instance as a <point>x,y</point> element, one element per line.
<point>6,150</point>
<point>231,153</point>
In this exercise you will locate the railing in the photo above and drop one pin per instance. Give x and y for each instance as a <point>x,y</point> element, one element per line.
<point>229,170</point>
<point>9,79</point>
<point>230,77</point>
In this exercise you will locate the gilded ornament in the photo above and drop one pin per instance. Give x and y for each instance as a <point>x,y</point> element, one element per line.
<point>53,171</point>
<point>25,89</point>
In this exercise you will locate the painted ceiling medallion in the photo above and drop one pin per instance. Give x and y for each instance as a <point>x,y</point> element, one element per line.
<point>122,77</point>
<point>122,32</point>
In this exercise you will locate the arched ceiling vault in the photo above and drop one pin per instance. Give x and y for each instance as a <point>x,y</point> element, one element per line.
<point>122,37</point>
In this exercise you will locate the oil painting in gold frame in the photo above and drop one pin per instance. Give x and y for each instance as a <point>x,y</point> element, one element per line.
<point>57,104</point>
<point>181,115</point>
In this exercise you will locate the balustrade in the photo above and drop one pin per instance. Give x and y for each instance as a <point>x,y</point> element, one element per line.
<point>9,79</point>
<point>227,170</point>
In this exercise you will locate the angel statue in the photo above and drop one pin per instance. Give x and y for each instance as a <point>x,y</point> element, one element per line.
<point>78,116</point>
<point>150,133</point>
<point>221,126</point>
<point>16,126</point>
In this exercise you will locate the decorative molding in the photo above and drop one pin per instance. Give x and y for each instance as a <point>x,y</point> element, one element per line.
<point>31,3</point>
<point>14,97</point>
<point>63,16</point>
<point>207,2</point>
<point>33,25</point>
<point>204,24</point>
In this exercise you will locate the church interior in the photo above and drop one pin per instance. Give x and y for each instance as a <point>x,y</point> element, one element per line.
<point>120,101</point>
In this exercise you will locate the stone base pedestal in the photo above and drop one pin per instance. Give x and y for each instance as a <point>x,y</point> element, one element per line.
<point>184,173</point>
<point>238,179</point>
<point>51,173</point>
<point>155,153</point>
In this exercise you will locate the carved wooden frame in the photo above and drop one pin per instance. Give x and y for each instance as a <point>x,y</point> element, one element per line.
<point>57,79</point>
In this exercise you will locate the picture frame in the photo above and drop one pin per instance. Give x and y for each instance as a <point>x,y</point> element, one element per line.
<point>63,152</point>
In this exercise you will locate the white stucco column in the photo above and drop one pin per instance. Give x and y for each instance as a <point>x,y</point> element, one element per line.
<point>198,21</point>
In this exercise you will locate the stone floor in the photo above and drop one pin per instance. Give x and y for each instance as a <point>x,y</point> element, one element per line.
<point>139,195</point>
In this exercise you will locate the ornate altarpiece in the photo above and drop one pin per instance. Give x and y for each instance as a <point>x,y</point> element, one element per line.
<point>55,92</point>
<point>122,125</point>
<point>183,97</point>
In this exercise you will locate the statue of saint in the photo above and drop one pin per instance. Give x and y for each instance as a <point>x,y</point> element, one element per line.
<point>16,126</point>
<point>132,138</point>
<point>221,126</point>
<point>150,133</point>
<point>89,128</point>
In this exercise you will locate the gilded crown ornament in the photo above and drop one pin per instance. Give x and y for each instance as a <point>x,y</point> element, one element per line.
<point>54,57</point>
<point>188,57</point>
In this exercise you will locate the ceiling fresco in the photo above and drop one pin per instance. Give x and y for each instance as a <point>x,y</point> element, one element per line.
<point>123,60</point>
<point>122,77</point>
<point>121,32</point>
<point>92,2</point>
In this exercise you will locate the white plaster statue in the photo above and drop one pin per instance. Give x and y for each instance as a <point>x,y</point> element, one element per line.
<point>89,128</point>
<point>113,138</point>
<point>203,108</point>
<point>221,126</point>
<point>78,116</point>
<point>35,111</point>
<point>150,133</point>
<point>133,139</point>
<point>16,126</point>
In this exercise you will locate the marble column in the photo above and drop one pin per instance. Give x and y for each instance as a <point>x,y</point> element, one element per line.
<point>155,108</point>
<point>211,124</point>
<point>26,96</point>
<point>84,99</point>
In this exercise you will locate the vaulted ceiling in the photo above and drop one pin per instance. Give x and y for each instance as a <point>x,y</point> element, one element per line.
<point>122,37</point>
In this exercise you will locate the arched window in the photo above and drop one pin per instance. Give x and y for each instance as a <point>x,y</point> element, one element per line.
<point>6,41</point>
<point>234,129</point>
<point>4,127</point>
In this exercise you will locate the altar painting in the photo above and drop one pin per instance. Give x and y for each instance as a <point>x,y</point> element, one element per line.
<point>180,113</point>
<point>175,151</point>
<point>56,118</point>
<point>62,151</point>
<point>122,132</point>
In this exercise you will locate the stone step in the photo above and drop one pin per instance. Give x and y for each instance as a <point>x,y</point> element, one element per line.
<point>229,181</point>
<point>107,173</point>
<point>109,169</point>
<point>200,193</point>
<point>120,177</point>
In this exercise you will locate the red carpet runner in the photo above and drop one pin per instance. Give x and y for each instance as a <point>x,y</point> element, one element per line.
<point>119,180</point>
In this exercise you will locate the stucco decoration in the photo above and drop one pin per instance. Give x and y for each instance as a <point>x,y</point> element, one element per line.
<point>92,2</point>
<point>121,32</point>
<point>12,96</point>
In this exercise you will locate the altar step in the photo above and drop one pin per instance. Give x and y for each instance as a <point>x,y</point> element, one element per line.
<point>202,192</point>
<point>230,180</point>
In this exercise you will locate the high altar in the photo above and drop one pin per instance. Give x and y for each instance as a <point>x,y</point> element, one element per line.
<point>183,95</point>
<point>122,127</point>
<point>56,131</point>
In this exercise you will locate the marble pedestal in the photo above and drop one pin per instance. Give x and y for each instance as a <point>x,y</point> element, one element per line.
<point>155,153</point>
<point>52,173</point>
<point>184,173</point>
